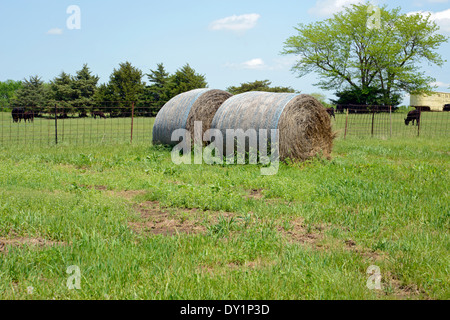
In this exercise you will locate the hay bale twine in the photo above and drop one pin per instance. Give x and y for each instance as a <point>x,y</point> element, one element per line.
<point>303,124</point>
<point>181,111</point>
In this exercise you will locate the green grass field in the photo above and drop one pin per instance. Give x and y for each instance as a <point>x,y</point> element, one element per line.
<point>140,227</point>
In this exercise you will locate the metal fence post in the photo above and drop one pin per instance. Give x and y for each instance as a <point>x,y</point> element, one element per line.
<point>373,118</point>
<point>346,119</point>
<point>56,125</point>
<point>132,121</point>
<point>418,122</point>
<point>390,121</point>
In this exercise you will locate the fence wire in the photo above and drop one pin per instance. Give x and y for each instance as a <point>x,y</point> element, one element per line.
<point>387,124</point>
<point>121,122</point>
<point>102,123</point>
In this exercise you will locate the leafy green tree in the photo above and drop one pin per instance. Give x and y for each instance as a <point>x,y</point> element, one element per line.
<point>62,93</point>
<point>126,82</point>
<point>366,96</point>
<point>125,86</point>
<point>185,79</point>
<point>8,89</point>
<point>159,80</point>
<point>345,53</point>
<point>32,95</point>
<point>257,85</point>
<point>158,91</point>
<point>84,85</point>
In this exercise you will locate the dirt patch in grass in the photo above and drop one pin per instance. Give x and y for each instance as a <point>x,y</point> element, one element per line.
<point>154,219</point>
<point>255,194</point>
<point>366,253</point>
<point>129,194</point>
<point>393,286</point>
<point>297,232</point>
<point>15,241</point>
<point>96,187</point>
<point>225,267</point>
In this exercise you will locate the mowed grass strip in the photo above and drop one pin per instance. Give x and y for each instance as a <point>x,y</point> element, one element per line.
<point>309,232</point>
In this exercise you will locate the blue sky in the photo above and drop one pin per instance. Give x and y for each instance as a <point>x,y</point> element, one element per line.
<point>230,42</point>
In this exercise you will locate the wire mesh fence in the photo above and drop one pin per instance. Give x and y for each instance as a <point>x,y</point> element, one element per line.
<point>126,122</point>
<point>385,123</point>
<point>102,123</point>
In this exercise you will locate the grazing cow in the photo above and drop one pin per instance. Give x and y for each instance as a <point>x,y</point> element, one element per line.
<point>100,114</point>
<point>446,107</point>
<point>331,112</point>
<point>413,115</point>
<point>17,114</point>
<point>28,115</point>
<point>340,108</point>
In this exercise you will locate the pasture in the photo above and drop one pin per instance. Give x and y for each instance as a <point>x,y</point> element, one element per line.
<point>78,131</point>
<point>88,131</point>
<point>140,227</point>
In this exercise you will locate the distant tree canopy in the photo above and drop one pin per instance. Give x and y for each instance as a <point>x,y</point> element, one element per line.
<point>258,85</point>
<point>352,56</point>
<point>33,94</point>
<point>185,79</point>
<point>158,90</point>
<point>366,96</point>
<point>84,89</point>
<point>164,86</point>
<point>74,93</point>
<point>8,89</point>
<point>126,83</point>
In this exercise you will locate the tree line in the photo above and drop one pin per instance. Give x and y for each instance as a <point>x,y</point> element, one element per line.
<point>81,93</point>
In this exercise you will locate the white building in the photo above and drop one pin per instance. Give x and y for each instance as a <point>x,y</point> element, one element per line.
<point>436,101</point>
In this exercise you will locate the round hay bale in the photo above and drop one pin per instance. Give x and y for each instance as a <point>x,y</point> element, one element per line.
<point>181,111</point>
<point>303,124</point>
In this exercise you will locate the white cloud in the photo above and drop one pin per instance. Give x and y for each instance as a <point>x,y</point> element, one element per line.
<point>440,84</point>
<point>254,64</point>
<point>55,31</point>
<point>236,23</point>
<point>442,18</point>
<point>328,7</point>
<point>283,63</point>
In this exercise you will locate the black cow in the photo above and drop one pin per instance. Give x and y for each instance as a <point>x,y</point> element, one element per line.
<point>28,115</point>
<point>17,114</point>
<point>100,114</point>
<point>446,107</point>
<point>331,112</point>
<point>413,115</point>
